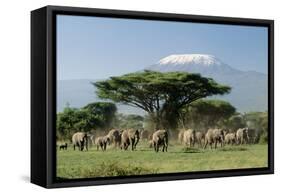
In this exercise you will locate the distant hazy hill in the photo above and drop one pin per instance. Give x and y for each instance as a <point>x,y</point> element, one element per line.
<point>249,88</point>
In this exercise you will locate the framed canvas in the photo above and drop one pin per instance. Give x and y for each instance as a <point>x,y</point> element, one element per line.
<point>125,96</point>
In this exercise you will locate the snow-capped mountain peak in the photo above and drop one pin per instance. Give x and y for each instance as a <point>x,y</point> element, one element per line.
<point>205,64</point>
<point>190,59</point>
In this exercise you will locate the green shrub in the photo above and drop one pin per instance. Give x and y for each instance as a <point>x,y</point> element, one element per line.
<point>109,170</point>
<point>263,138</point>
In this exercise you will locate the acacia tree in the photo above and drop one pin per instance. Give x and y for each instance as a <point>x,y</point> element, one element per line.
<point>161,95</point>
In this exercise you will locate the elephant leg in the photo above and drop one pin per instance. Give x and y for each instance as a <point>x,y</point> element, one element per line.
<point>119,144</point>
<point>133,144</point>
<point>125,146</point>
<point>102,147</point>
<point>205,144</point>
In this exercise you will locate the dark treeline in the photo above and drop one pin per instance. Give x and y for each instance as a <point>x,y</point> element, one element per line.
<point>200,115</point>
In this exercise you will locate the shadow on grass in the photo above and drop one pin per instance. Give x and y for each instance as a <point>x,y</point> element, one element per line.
<point>233,149</point>
<point>191,150</point>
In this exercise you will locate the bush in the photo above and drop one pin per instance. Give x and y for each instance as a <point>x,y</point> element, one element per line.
<point>263,138</point>
<point>117,169</point>
<point>107,170</point>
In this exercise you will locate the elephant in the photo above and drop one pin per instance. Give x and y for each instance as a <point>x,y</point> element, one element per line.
<point>230,138</point>
<point>102,142</point>
<point>199,138</point>
<point>242,136</point>
<point>130,137</point>
<point>252,136</point>
<point>214,136</point>
<point>160,137</point>
<point>189,137</point>
<point>180,136</point>
<point>80,139</point>
<point>63,146</point>
<point>115,137</point>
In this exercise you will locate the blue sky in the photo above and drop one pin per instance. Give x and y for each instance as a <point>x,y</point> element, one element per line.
<point>96,48</point>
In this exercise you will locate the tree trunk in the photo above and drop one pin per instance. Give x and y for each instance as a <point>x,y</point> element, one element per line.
<point>155,118</point>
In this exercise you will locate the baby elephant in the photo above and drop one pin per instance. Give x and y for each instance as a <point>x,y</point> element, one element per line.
<point>102,142</point>
<point>230,138</point>
<point>63,146</point>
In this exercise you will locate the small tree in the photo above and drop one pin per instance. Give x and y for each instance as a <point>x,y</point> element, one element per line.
<point>259,122</point>
<point>65,122</point>
<point>235,122</point>
<point>94,115</point>
<point>206,113</point>
<point>129,121</point>
<point>103,113</point>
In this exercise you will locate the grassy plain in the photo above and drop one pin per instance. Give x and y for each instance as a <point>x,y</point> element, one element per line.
<point>116,162</point>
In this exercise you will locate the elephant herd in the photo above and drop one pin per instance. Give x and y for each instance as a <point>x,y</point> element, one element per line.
<point>157,139</point>
<point>216,137</point>
<point>122,139</point>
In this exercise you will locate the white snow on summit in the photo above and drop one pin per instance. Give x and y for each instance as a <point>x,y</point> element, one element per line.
<point>190,59</point>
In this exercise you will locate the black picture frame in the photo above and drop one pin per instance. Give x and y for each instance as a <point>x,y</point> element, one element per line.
<point>43,95</point>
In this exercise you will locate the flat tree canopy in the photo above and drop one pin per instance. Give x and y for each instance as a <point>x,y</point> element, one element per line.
<point>161,95</point>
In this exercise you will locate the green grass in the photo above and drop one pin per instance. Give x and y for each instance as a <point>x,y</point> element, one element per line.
<point>115,162</point>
